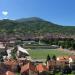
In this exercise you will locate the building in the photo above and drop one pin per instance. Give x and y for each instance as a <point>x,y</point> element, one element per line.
<point>19,52</point>
<point>28,69</point>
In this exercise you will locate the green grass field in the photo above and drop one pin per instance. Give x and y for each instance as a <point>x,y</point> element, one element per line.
<point>42,53</point>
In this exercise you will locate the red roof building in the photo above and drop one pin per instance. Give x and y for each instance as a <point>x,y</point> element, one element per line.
<point>27,69</point>
<point>9,73</point>
<point>41,68</point>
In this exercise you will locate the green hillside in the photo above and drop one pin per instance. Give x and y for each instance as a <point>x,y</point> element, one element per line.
<point>34,25</point>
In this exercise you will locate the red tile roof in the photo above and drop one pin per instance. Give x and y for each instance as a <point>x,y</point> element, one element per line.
<point>73,57</point>
<point>9,73</point>
<point>27,67</point>
<point>10,62</point>
<point>63,58</point>
<point>41,68</point>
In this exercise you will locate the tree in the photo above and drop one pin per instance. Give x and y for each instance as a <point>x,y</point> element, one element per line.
<point>13,53</point>
<point>48,57</point>
<point>54,57</point>
<point>1,58</point>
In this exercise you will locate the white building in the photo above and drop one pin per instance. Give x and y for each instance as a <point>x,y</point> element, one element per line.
<point>20,52</point>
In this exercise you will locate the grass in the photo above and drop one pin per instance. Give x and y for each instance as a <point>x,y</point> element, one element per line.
<point>42,53</point>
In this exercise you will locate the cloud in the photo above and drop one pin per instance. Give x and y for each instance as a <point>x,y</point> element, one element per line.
<point>5,13</point>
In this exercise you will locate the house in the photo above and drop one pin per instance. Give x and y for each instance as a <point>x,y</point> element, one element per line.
<point>9,53</point>
<point>2,45</point>
<point>41,68</point>
<point>63,58</point>
<point>51,64</point>
<point>8,67</point>
<point>28,69</point>
<point>4,68</point>
<point>20,52</point>
<point>11,41</point>
<point>72,62</point>
<point>10,62</point>
<point>72,59</point>
<point>14,65</point>
<point>9,73</point>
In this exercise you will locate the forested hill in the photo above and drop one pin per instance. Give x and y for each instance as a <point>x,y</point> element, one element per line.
<point>34,25</point>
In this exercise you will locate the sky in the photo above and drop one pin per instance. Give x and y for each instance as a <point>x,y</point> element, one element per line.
<point>61,12</point>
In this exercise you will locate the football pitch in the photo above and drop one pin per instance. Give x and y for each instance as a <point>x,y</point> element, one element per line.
<point>42,53</point>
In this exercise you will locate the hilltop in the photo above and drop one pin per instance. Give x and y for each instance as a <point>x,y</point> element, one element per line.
<point>34,25</point>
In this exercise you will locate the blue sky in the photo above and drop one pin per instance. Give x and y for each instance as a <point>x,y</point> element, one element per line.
<point>57,11</point>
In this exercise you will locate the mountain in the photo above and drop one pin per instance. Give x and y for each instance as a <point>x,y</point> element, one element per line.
<point>34,25</point>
